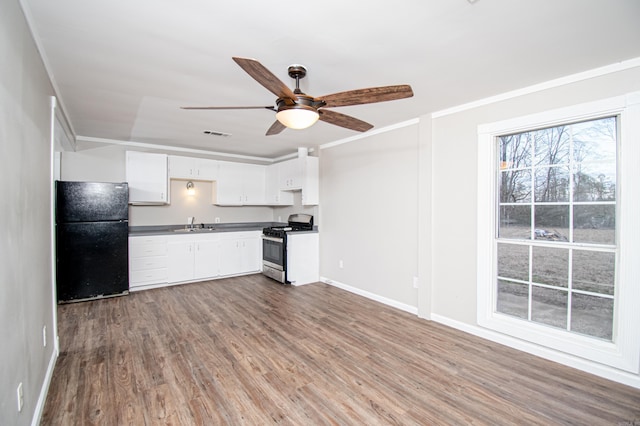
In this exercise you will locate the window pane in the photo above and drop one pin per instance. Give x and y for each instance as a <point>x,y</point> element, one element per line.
<point>550,266</point>
<point>595,140</point>
<point>515,186</point>
<point>594,224</point>
<point>593,271</point>
<point>552,184</point>
<point>558,184</point>
<point>552,145</point>
<point>549,306</point>
<point>552,223</point>
<point>513,299</point>
<point>595,182</point>
<point>515,222</point>
<point>513,261</point>
<point>514,151</point>
<point>592,315</point>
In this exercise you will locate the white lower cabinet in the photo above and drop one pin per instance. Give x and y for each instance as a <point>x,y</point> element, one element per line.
<point>303,254</point>
<point>193,257</point>
<point>240,252</point>
<point>147,261</point>
<point>157,261</point>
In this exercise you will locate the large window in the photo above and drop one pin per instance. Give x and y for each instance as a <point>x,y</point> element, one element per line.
<point>556,226</point>
<point>558,230</point>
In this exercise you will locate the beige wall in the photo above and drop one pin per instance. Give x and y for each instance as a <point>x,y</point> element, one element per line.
<point>26,294</point>
<point>369,214</point>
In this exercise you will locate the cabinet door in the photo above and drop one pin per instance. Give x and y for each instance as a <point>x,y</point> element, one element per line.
<point>180,261</point>
<point>254,184</point>
<point>229,187</point>
<point>250,254</point>
<point>147,177</point>
<point>230,261</point>
<point>290,175</point>
<point>310,187</point>
<point>274,196</point>
<point>207,169</point>
<point>207,259</point>
<point>181,167</point>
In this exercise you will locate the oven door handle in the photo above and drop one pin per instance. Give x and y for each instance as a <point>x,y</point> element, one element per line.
<point>274,239</point>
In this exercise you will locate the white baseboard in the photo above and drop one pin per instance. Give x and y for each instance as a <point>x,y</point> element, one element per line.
<point>543,352</point>
<point>372,296</point>
<point>44,390</point>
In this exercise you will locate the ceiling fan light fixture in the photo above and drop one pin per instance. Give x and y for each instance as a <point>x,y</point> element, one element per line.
<point>297,116</point>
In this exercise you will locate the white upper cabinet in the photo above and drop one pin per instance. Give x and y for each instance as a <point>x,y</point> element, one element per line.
<point>300,174</point>
<point>274,195</point>
<point>147,177</point>
<point>290,174</point>
<point>240,184</point>
<point>192,168</point>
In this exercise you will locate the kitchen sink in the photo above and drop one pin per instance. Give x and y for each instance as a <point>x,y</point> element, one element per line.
<point>193,230</point>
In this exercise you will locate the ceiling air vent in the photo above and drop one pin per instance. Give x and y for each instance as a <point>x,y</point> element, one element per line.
<point>215,133</point>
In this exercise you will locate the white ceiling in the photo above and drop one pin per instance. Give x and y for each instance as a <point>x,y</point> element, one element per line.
<point>122,68</point>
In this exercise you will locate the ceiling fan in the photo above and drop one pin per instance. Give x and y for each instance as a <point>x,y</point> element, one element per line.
<point>297,110</point>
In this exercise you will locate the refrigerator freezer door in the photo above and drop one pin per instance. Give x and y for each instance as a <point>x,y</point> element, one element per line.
<point>91,201</point>
<point>92,260</point>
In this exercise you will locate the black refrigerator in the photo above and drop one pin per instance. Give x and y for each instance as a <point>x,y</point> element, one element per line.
<point>92,251</point>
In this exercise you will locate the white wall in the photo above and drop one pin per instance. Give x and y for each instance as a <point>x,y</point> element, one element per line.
<point>198,206</point>
<point>369,214</point>
<point>26,296</point>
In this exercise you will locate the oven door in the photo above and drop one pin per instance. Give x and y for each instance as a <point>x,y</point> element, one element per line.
<point>274,258</point>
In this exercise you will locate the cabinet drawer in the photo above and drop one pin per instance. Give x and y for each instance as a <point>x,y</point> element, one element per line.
<point>151,262</point>
<point>148,276</point>
<point>151,239</point>
<point>150,249</point>
<point>239,235</point>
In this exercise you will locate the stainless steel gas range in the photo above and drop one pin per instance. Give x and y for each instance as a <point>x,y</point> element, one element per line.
<point>274,245</point>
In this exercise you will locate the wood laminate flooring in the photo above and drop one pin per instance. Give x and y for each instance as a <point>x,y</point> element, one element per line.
<point>249,351</point>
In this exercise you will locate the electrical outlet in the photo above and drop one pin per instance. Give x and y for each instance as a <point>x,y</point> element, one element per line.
<point>20,396</point>
<point>279,218</point>
<point>415,282</point>
<point>341,264</point>
<point>217,220</point>
<point>44,336</point>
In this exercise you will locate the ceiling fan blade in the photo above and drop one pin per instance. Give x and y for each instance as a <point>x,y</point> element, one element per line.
<point>263,76</point>
<point>275,128</point>
<point>344,120</point>
<point>272,108</point>
<point>367,96</point>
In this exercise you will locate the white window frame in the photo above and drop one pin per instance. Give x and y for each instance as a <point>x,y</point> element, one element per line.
<point>624,351</point>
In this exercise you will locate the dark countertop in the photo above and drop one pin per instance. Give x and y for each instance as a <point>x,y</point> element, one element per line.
<point>141,231</point>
